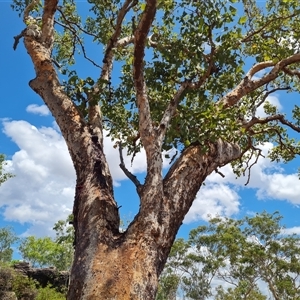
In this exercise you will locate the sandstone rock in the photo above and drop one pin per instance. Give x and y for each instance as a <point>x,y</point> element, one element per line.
<point>8,296</point>
<point>44,276</point>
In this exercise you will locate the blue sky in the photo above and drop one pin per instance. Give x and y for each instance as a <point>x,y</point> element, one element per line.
<point>42,191</point>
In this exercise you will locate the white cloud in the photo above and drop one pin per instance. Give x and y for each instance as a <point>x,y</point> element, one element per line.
<point>213,200</point>
<point>291,230</point>
<point>41,110</point>
<point>273,100</point>
<point>268,178</point>
<point>42,191</point>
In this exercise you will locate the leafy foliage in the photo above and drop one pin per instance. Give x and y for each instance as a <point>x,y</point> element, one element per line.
<point>46,251</point>
<point>24,287</point>
<point>49,293</point>
<point>3,176</point>
<point>7,239</point>
<point>240,253</point>
<point>206,45</point>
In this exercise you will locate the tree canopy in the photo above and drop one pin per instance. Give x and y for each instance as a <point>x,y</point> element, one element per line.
<point>252,257</point>
<point>7,239</point>
<point>207,68</point>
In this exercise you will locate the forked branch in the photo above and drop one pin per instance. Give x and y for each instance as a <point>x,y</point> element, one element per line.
<point>132,177</point>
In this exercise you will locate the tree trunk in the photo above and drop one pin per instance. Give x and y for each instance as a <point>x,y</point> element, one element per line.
<point>113,265</point>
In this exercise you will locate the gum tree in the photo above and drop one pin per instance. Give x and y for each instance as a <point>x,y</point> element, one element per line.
<point>182,75</point>
<point>250,257</point>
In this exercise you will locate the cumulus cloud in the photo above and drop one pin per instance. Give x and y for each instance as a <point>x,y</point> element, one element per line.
<point>268,179</point>
<point>291,230</point>
<point>213,200</point>
<point>41,110</point>
<point>42,191</point>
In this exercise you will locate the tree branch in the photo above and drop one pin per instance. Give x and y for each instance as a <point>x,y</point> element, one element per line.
<point>132,177</point>
<point>268,119</point>
<point>190,170</point>
<point>17,39</point>
<point>268,93</point>
<point>141,33</point>
<point>73,23</point>
<point>94,112</point>
<point>248,85</point>
<point>125,41</point>
<point>170,111</point>
<point>261,29</point>
<point>48,22</point>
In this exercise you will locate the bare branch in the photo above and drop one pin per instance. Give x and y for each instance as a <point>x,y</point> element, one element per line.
<point>73,23</point>
<point>132,177</point>
<point>77,38</point>
<point>249,167</point>
<point>268,119</point>
<point>17,39</point>
<point>248,85</point>
<point>220,173</point>
<point>268,93</point>
<point>84,53</point>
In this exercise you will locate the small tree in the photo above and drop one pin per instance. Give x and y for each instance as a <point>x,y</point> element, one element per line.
<point>242,254</point>
<point>46,251</point>
<point>7,239</point>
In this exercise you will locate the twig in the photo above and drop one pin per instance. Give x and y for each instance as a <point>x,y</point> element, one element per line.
<point>254,163</point>
<point>270,92</point>
<point>84,54</point>
<point>132,177</point>
<point>76,37</point>
<point>220,173</point>
<point>73,23</point>
<point>17,39</point>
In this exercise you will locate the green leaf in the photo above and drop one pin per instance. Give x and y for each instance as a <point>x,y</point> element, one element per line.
<point>242,20</point>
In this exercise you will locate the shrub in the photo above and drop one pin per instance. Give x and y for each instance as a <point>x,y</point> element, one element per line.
<point>25,288</point>
<point>49,293</point>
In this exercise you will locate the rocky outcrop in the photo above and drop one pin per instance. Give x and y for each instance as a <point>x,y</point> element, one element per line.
<point>45,276</point>
<point>8,296</point>
<point>6,278</point>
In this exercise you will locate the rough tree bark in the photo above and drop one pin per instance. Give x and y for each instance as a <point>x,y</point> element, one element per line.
<point>109,264</point>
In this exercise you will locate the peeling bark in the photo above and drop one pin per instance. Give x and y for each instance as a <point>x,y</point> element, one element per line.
<point>113,265</point>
